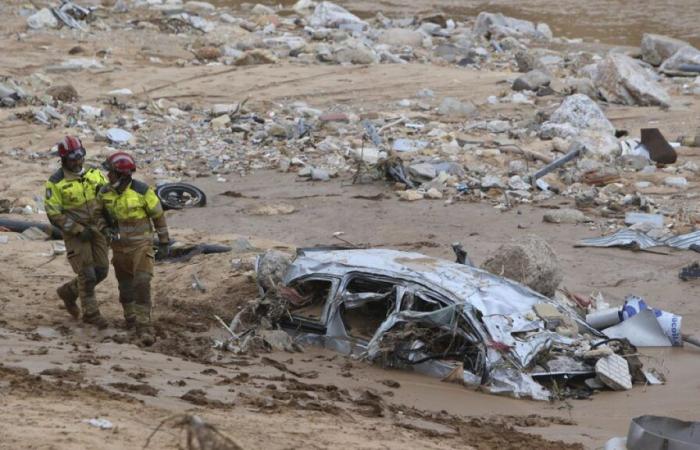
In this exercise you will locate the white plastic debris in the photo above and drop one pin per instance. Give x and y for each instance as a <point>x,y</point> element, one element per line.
<point>101,423</point>
<point>124,92</point>
<point>614,372</point>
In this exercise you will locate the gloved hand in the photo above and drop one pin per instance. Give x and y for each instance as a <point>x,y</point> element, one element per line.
<point>110,234</point>
<point>162,250</point>
<point>85,235</point>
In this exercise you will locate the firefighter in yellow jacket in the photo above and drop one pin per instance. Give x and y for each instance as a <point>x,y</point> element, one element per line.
<point>133,213</point>
<point>71,205</point>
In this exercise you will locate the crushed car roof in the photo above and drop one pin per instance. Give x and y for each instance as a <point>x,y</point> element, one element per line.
<point>484,291</point>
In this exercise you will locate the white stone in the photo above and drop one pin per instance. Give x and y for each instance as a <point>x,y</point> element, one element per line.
<point>330,15</point>
<point>452,107</point>
<point>220,122</point>
<point>43,18</point>
<point>581,112</point>
<point>434,194</point>
<point>498,25</point>
<point>676,182</point>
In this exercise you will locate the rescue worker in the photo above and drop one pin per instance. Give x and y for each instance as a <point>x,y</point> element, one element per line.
<point>133,212</point>
<point>71,205</point>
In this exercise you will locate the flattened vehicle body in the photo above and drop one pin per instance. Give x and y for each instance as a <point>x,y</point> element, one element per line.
<point>438,317</point>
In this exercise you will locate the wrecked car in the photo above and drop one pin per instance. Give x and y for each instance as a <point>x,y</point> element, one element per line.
<point>444,319</point>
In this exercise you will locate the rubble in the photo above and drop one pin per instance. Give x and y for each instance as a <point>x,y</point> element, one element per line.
<point>621,79</point>
<point>43,18</point>
<point>530,260</point>
<point>657,48</point>
<point>685,56</point>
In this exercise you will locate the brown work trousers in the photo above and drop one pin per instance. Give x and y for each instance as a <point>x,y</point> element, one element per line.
<point>133,267</point>
<point>90,262</point>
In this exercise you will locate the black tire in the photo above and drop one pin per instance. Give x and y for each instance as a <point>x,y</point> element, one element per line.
<point>180,195</point>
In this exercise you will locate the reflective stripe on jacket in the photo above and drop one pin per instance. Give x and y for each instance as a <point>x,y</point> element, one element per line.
<point>71,202</point>
<point>132,212</point>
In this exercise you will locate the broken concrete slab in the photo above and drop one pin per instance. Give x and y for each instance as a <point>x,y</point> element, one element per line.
<point>621,79</point>
<point>684,56</point>
<point>614,372</point>
<point>657,48</point>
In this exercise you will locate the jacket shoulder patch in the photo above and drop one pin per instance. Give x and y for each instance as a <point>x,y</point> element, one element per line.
<point>57,176</point>
<point>139,187</point>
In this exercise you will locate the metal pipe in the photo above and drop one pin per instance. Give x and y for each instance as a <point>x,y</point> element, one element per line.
<point>573,154</point>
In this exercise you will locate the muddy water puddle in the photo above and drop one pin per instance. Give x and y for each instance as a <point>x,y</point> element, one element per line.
<point>615,22</point>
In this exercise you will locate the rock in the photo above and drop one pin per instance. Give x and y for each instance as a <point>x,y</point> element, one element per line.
<point>531,81</point>
<point>433,194</point>
<point>319,175</point>
<point>518,184</point>
<point>579,119</point>
<point>583,86</point>
<point>43,18</point>
<point>498,126</point>
<point>278,340</point>
<point>262,10</point>
<point>565,215</point>
<point>581,112</point>
<point>201,24</point>
<point>118,136</point>
<point>422,171</point>
<point>208,53</point>
<point>530,261</point>
<point>452,107</point>
<point>400,36</point>
<point>410,195</point>
<point>271,268</point>
<point>330,15</point>
<point>686,55</point>
<point>657,48</point>
<point>221,122</point>
<point>517,167</point>
<point>63,93</point>
<point>621,79</point>
<point>90,112</point>
<point>254,57</point>
<point>677,182</point>
<point>451,52</point>
<point>220,109</point>
<point>489,26</point>
<point>194,6</point>
<point>355,53</point>
<point>545,31</point>
<point>408,145</point>
<point>491,181</point>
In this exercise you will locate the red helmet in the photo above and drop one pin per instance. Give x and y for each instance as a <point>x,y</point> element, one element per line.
<point>71,147</point>
<point>121,163</point>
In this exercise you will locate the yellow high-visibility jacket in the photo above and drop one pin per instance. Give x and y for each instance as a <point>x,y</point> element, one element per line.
<point>71,202</point>
<point>132,212</point>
